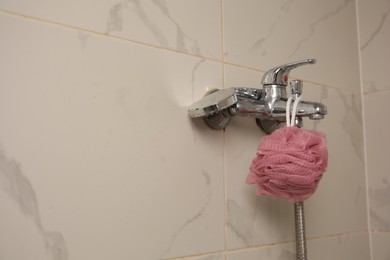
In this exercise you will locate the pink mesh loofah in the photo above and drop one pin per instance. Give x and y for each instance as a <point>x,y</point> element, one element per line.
<point>289,163</point>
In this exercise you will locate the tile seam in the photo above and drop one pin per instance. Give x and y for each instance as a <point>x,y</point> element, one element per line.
<point>196,255</point>
<point>292,241</point>
<point>263,246</point>
<point>224,135</point>
<point>376,92</point>
<point>368,214</point>
<point>376,231</point>
<point>100,34</point>
<point>143,44</point>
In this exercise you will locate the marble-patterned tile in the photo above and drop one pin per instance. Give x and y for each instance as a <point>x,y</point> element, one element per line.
<point>378,148</point>
<point>374,34</point>
<point>98,155</point>
<point>190,26</point>
<point>336,248</point>
<point>23,236</point>
<point>339,204</point>
<point>250,220</point>
<point>262,35</point>
<point>216,256</point>
<point>380,246</point>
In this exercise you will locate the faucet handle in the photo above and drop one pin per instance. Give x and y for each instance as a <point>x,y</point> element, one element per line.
<point>279,75</point>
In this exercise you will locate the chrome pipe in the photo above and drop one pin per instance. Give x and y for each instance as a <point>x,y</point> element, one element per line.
<point>300,236</point>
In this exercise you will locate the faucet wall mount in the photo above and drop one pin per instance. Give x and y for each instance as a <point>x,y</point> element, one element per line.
<point>266,105</point>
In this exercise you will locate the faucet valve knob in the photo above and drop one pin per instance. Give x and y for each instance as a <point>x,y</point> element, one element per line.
<point>279,75</point>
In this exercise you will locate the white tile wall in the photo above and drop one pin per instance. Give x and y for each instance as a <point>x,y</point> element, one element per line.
<point>97,146</point>
<point>374,28</point>
<point>374,36</point>
<point>99,159</point>
<point>377,157</point>
<point>277,32</point>
<point>380,246</point>
<point>186,26</point>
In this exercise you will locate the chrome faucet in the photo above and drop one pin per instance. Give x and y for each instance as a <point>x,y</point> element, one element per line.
<point>267,105</point>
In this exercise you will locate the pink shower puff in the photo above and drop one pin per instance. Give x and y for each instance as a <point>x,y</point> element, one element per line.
<point>289,163</point>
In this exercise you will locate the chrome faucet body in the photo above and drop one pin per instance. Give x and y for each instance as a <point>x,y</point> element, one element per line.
<point>267,105</point>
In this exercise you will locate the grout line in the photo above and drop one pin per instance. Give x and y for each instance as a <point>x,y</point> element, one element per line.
<point>346,234</point>
<point>260,247</point>
<point>364,133</point>
<point>113,37</point>
<point>96,33</point>
<point>271,245</point>
<point>225,219</point>
<point>196,255</point>
<point>375,92</point>
<point>293,241</point>
<point>242,66</point>
<point>307,239</point>
<point>380,231</point>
